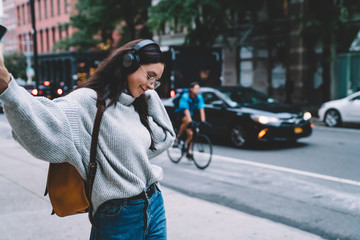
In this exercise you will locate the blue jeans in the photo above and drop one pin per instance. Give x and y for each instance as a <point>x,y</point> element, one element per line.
<point>124,219</point>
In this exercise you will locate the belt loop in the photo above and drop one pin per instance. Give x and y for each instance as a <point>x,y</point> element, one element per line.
<point>157,186</point>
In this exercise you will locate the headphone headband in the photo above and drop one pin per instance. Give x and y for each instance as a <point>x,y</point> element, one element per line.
<point>142,44</point>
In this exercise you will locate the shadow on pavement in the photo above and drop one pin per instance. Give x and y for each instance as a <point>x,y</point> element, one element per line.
<point>262,145</point>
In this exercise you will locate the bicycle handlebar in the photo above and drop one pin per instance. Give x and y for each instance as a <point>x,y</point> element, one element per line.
<point>195,124</point>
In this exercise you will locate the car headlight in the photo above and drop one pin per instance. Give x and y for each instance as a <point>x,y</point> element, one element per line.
<point>264,119</point>
<point>307,116</point>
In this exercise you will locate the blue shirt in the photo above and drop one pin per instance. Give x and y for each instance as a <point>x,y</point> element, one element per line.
<point>186,102</point>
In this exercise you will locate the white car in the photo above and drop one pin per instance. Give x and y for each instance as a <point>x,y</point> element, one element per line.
<point>346,110</point>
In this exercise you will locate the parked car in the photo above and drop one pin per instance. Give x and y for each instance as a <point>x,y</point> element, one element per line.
<point>336,112</point>
<point>244,115</point>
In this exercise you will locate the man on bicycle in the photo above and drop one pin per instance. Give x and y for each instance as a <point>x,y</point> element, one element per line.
<point>191,107</point>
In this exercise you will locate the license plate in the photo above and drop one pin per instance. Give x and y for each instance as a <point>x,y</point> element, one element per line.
<point>298,130</point>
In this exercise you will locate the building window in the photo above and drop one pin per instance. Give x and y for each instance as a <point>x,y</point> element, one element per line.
<point>246,66</point>
<point>66,6</point>
<point>27,41</point>
<point>20,44</point>
<point>24,37</point>
<point>39,7</point>
<point>23,43</point>
<point>60,33</point>
<point>23,14</point>
<point>18,14</point>
<point>41,41</point>
<point>52,7</point>
<point>47,40</point>
<point>59,7</point>
<point>67,31</point>
<point>46,9</point>
<point>29,12</point>
<point>31,41</point>
<point>53,35</point>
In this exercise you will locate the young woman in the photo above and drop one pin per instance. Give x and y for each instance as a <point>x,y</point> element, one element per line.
<point>135,127</point>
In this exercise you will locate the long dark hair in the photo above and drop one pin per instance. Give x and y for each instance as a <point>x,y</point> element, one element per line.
<point>110,79</point>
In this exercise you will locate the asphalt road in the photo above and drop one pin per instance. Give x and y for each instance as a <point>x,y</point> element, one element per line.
<point>312,185</point>
<point>329,151</point>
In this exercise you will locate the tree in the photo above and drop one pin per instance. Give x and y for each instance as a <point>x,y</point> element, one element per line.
<point>206,20</point>
<point>322,24</point>
<point>16,64</point>
<point>96,20</point>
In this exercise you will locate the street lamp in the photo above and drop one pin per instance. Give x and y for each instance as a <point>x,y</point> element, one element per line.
<point>34,34</point>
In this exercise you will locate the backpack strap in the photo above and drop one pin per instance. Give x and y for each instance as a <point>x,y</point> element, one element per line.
<point>101,106</point>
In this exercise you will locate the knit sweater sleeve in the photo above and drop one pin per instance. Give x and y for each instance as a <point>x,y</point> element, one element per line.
<point>160,124</point>
<point>43,127</point>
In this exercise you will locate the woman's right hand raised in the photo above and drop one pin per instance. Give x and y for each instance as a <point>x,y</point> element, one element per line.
<point>4,75</point>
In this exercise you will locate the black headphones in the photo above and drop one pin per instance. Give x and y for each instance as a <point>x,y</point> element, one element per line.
<point>131,60</point>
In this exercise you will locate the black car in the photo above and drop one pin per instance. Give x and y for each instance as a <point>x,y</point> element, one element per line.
<point>244,115</point>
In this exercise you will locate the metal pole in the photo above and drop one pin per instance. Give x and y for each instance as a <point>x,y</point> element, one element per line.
<point>28,58</point>
<point>34,33</point>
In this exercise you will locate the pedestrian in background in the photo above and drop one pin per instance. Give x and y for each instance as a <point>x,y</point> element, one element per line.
<point>135,127</point>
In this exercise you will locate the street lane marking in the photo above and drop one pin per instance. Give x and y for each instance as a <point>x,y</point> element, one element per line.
<point>289,170</point>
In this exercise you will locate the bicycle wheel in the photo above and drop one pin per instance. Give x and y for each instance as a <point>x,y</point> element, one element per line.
<point>175,152</point>
<point>202,151</point>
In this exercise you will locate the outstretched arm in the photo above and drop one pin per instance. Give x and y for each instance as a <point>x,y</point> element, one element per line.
<point>4,75</point>
<point>43,127</point>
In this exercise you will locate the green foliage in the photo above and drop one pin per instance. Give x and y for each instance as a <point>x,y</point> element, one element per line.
<point>16,64</point>
<point>328,24</point>
<point>96,20</point>
<point>325,20</point>
<point>205,20</point>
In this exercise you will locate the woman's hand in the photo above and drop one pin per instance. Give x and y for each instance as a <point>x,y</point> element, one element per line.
<point>4,75</point>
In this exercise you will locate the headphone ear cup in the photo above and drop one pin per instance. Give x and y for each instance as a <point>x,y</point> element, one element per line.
<point>131,62</point>
<point>136,63</point>
<point>128,60</point>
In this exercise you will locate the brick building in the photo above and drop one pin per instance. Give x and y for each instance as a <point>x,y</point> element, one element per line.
<point>48,15</point>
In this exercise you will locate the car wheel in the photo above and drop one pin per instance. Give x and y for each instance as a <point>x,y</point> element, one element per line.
<point>238,136</point>
<point>332,118</point>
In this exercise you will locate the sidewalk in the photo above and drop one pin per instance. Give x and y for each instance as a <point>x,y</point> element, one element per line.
<point>25,212</point>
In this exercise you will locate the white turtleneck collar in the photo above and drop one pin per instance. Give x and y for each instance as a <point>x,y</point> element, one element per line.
<point>126,99</point>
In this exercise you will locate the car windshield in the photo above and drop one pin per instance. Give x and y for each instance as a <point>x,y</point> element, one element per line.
<point>246,96</point>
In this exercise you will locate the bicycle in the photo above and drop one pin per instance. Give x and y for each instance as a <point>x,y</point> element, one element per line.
<point>201,149</point>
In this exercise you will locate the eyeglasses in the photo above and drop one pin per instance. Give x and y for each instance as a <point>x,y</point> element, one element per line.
<point>151,82</point>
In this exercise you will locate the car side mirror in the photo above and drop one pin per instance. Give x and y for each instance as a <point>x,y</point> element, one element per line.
<point>219,103</point>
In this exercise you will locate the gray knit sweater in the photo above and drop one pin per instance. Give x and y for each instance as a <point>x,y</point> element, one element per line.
<point>60,131</point>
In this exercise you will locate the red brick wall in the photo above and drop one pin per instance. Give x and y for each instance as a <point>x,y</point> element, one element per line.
<point>48,15</point>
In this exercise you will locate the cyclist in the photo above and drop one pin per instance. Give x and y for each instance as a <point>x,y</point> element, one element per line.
<point>191,107</point>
